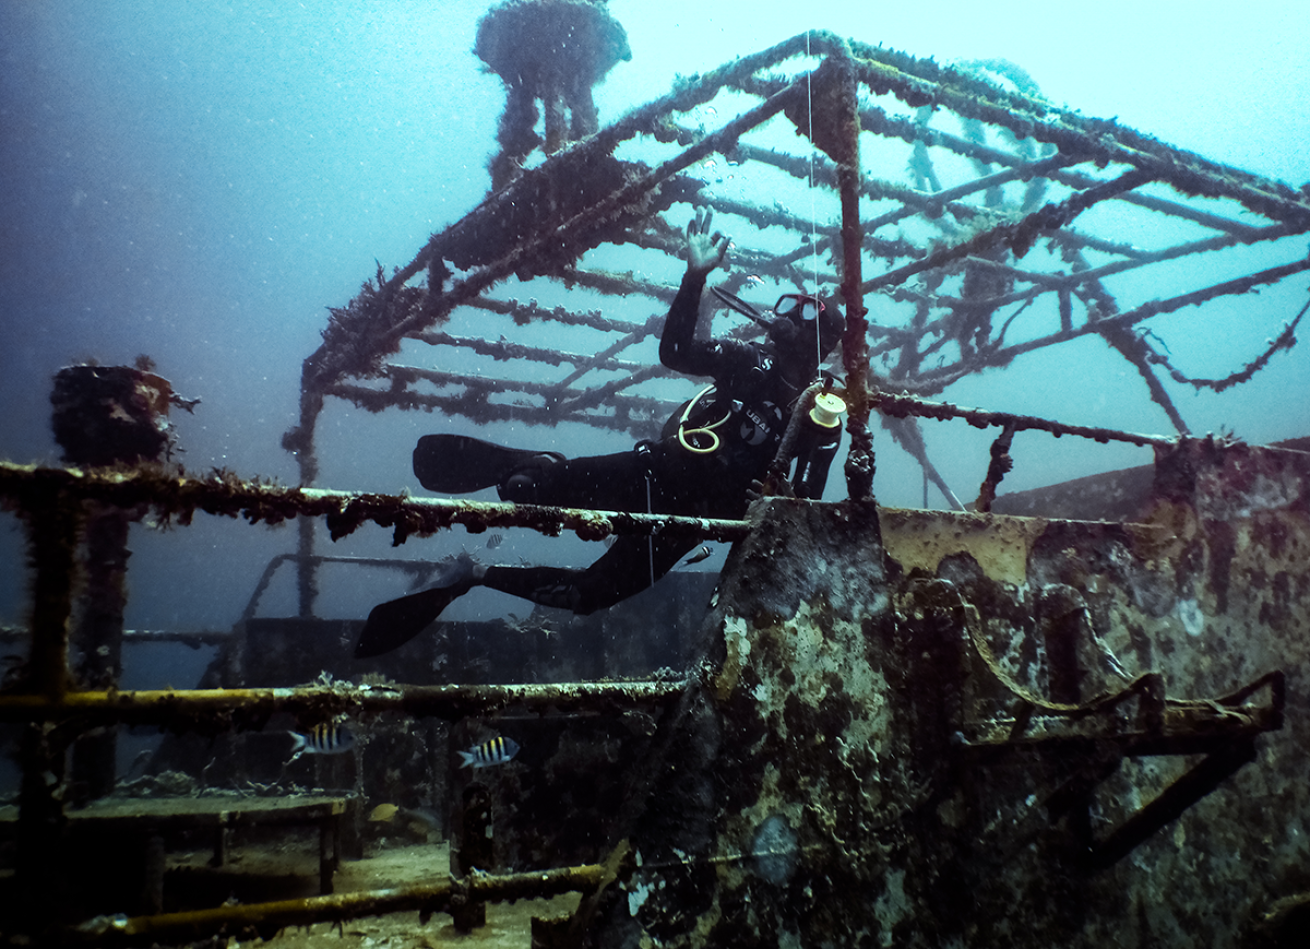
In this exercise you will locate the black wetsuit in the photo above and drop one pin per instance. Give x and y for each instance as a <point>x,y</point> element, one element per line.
<point>708,455</point>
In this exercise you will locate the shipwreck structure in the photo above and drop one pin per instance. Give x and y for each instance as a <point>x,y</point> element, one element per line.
<point>887,727</point>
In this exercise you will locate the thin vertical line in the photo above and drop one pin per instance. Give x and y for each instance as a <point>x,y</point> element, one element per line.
<point>814,241</point>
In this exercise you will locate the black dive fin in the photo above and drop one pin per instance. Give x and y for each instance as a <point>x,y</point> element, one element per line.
<point>455,464</point>
<point>393,623</point>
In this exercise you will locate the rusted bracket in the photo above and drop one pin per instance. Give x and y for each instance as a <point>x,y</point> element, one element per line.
<point>1170,804</point>
<point>1224,729</point>
<point>1160,726</point>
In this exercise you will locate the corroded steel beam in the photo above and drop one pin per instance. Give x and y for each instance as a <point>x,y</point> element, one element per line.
<point>944,376</point>
<point>920,83</point>
<point>268,918</point>
<point>899,406</point>
<point>219,709</point>
<point>224,493</point>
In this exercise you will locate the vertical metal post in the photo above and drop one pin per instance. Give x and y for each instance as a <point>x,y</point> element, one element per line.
<point>475,851</point>
<point>53,523</point>
<point>306,568</point>
<point>99,639</point>
<point>105,415</point>
<point>855,348</point>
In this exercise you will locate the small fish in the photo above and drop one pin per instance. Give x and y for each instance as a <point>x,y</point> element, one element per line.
<point>698,556</point>
<point>495,751</point>
<point>325,738</point>
<point>383,812</point>
<point>494,541</point>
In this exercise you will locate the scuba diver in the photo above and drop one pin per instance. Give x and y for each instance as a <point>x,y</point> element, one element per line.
<point>711,455</point>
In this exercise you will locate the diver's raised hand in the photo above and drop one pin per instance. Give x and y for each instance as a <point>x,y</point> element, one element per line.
<point>704,251</point>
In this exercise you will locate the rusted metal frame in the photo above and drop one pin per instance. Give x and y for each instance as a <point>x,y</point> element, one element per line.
<point>532,312</point>
<point>217,710</point>
<point>52,519</point>
<point>502,349</point>
<point>1170,803</point>
<point>1164,726</point>
<point>859,466</point>
<point>899,406</point>
<point>1144,312</point>
<point>937,379</point>
<point>934,204</point>
<point>194,638</point>
<point>907,130</point>
<point>480,386</point>
<point>692,91</point>
<point>267,919</point>
<point>1017,235</point>
<point>1097,762</point>
<point>1040,168</point>
<point>601,393</point>
<point>1061,284</point>
<point>1218,242</point>
<point>1027,118</point>
<point>1139,355</point>
<point>618,284</point>
<point>798,167</point>
<point>345,511</point>
<point>473,403</point>
<point>605,358</point>
<point>656,234</point>
<point>1285,340</point>
<point>1072,238</point>
<point>912,201</point>
<point>1100,303</point>
<point>1216,728</point>
<point>548,390</point>
<point>875,120</point>
<point>317,374</point>
<point>1275,681</point>
<point>999,465</point>
<point>1247,233</point>
<point>590,218</point>
<point>1181,731</point>
<point>627,417</point>
<point>1076,278</point>
<point>903,294</point>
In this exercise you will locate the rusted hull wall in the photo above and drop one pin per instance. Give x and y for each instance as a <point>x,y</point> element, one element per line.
<point>858,766</point>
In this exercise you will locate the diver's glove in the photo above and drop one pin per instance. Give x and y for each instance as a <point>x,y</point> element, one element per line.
<point>705,251</point>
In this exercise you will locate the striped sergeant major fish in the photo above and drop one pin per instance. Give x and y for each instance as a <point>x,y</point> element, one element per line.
<point>325,738</point>
<point>497,750</point>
